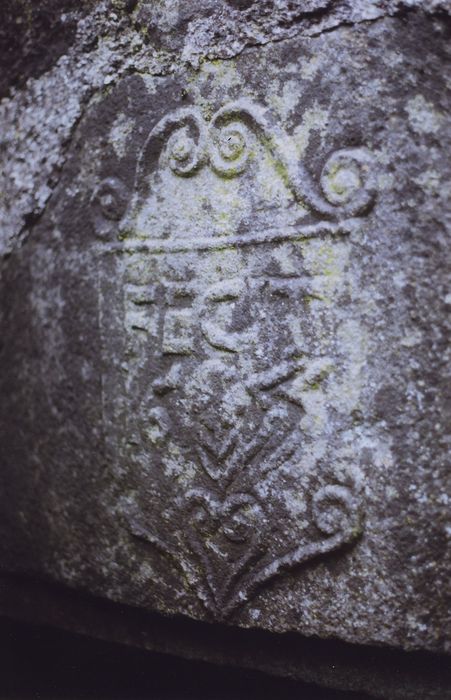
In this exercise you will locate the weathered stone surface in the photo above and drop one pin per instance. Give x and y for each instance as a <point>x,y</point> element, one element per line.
<point>376,672</point>
<point>225,335</point>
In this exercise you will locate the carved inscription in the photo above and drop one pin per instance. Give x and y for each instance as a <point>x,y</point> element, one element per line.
<point>218,350</point>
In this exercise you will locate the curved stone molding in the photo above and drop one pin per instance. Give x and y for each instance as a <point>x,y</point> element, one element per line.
<point>190,143</point>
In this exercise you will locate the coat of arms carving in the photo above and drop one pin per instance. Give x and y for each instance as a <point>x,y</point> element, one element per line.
<point>213,347</point>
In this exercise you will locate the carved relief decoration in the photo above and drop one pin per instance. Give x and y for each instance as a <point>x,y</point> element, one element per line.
<point>216,356</point>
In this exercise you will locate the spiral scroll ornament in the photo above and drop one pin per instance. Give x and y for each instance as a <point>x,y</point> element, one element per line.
<point>229,150</point>
<point>109,201</point>
<point>183,152</point>
<point>188,142</point>
<point>333,510</point>
<point>348,182</point>
<point>181,137</point>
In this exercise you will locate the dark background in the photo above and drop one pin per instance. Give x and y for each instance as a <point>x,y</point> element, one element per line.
<point>44,663</point>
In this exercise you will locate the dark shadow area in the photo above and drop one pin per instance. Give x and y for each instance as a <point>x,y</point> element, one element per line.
<point>43,663</point>
<point>40,660</point>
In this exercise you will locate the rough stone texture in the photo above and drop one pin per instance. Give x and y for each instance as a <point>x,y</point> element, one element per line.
<point>379,672</point>
<point>225,316</point>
